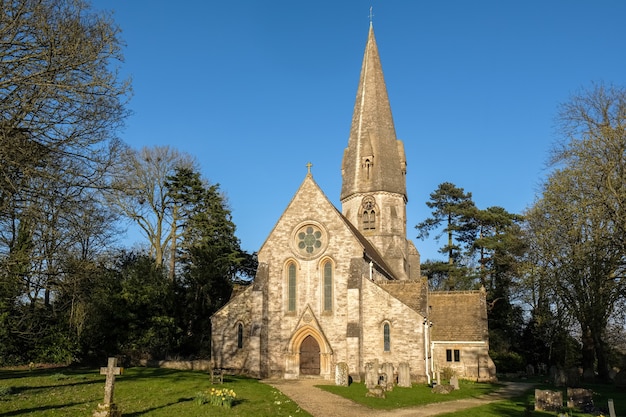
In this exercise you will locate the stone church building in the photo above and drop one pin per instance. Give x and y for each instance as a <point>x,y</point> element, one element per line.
<point>337,286</point>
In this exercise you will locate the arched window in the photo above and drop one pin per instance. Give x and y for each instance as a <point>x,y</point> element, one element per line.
<point>239,336</point>
<point>328,286</point>
<point>368,165</point>
<point>386,338</point>
<point>291,291</point>
<point>369,220</point>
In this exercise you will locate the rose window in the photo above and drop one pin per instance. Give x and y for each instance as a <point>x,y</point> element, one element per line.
<point>309,240</point>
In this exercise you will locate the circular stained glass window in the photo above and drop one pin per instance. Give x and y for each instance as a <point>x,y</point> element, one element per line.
<point>309,240</point>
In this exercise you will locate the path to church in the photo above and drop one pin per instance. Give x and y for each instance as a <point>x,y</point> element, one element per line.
<point>320,403</point>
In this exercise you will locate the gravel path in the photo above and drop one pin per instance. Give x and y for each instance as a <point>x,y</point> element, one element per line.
<point>320,403</point>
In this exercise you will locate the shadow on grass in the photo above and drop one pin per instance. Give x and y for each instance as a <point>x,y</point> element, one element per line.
<point>148,410</point>
<point>29,411</point>
<point>180,400</point>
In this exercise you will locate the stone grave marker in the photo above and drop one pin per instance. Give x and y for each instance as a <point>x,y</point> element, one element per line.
<point>580,398</point>
<point>611,408</point>
<point>342,377</point>
<point>454,382</point>
<point>404,375</point>
<point>387,369</point>
<point>108,407</point>
<point>546,400</point>
<point>371,374</point>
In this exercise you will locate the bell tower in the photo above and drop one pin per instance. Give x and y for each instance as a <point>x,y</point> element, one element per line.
<point>373,192</point>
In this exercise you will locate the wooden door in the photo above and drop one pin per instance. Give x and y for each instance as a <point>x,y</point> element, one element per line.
<point>309,356</point>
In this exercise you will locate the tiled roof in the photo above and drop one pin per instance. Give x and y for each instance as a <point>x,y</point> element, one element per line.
<point>458,315</point>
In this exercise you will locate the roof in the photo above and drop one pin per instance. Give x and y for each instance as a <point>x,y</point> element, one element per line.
<point>411,293</point>
<point>373,135</point>
<point>458,315</point>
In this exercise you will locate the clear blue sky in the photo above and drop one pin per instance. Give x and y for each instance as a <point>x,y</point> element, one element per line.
<point>256,89</point>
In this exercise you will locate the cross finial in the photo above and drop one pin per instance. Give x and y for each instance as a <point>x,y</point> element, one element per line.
<point>308,167</point>
<point>371,16</point>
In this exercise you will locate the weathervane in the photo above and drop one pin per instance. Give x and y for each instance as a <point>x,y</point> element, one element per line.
<point>371,16</point>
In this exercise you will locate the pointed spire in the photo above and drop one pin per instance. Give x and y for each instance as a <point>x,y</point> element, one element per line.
<point>372,161</point>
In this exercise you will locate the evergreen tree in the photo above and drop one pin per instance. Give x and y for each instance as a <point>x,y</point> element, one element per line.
<point>451,208</point>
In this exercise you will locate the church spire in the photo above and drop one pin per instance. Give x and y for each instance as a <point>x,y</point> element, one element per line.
<point>374,159</point>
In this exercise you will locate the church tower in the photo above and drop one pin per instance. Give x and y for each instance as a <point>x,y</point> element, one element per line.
<point>373,192</point>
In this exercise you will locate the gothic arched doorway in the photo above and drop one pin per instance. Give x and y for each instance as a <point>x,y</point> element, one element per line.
<point>309,356</point>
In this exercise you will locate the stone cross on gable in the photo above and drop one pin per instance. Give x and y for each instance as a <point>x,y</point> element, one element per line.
<point>110,371</point>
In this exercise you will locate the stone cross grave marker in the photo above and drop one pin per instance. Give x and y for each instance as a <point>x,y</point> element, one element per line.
<point>108,408</point>
<point>110,371</point>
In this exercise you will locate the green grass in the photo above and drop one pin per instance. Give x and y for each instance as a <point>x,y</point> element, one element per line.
<point>408,397</point>
<point>522,406</point>
<point>145,392</point>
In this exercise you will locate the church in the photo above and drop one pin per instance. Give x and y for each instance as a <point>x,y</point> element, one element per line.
<point>344,286</point>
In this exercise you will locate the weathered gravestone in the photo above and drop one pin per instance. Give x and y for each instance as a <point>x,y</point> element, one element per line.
<point>371,374</point>
<point>546,400</point>
<point>580,398</point>
<point>383,381</point>
<point>108,407</point>
<point>342,377</point>
<point>454,382</point>
<point>404,375</point>
<point>387,369</point>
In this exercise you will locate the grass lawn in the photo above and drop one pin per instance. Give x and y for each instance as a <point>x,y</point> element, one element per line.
<point>517,407</point>
<point>145,392</point>
<point>409,397</point>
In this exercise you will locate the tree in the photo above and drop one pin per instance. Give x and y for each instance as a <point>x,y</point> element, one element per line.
<point>140,192</point>
<point>500,247</point>
<point>60,97</point>
<point>578,224</point>
<point>210,253</point>
<point>60,104</point>
<point>452,208</point>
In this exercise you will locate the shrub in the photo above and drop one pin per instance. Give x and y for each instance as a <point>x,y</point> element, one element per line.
<point>447,373</point>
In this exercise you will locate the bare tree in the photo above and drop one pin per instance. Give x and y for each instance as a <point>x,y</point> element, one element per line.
<point>578,225</point>
<point>141,194</point>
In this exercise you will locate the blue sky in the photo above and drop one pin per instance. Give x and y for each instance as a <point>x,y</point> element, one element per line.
<point>256,89</point>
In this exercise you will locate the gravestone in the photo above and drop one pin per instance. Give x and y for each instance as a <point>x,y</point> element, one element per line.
<point>580,398</point>
<point>454,382</point>
<point>611,408</point>
<point>438,377</point>
<point>404,375</point>
<point>546,400</point>
<point>387,369</point>
<point>530,370</point>
<point>383,381</point>
<point>341,374</point>
<point>558,376</point>
<point>108,407</point>
<point>371,374</point>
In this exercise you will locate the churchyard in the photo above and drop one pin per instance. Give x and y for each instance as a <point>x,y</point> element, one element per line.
<point>158,392</point>
<point>146,392</point>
